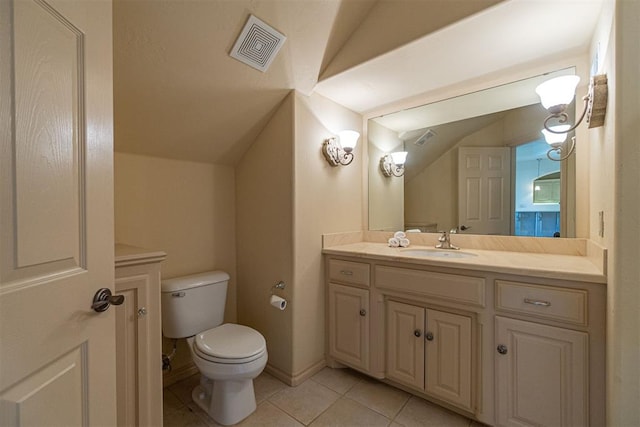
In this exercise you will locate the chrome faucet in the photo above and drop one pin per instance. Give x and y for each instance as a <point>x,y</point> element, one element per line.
<point>445,240</point>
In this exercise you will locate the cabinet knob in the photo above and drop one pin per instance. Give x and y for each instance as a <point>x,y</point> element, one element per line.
<point>502,349</point>
<point>417,333</point>
<point>363,312</point>
<point>429,336</point>
<point>142,312</point>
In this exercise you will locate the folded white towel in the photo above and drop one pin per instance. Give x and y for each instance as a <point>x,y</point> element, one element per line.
<point>393,242</point>
<point>399,235</point>
<point>413,230</point>
<point>404,243</point>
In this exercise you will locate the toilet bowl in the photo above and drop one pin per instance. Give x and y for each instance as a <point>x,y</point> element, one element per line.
<point>228,356</point>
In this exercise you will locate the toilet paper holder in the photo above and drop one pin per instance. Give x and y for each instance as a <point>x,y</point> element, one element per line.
<point>279,285</point>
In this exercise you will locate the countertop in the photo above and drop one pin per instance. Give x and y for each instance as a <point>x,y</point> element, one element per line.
<point>554,266</point>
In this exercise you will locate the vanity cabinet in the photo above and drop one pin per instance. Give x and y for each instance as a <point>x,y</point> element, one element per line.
<point>430,350</point>
<point>138,337</point>
<point>349,313</point>
<point>542,371</point>
<point>504,348</point>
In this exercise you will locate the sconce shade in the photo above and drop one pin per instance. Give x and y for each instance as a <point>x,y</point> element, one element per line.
<point>556,137</point>
<point>557,92</point>
<point>348,139</point>
<point>399,157</point>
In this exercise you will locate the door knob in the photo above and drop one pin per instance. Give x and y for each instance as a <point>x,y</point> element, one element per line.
<point>417,333</point>
<point>363,312</point>
<point>429,336</point>
<point>104,298</point>
<point>502,349</point>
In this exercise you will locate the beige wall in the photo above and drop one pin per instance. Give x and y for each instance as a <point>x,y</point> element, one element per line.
<point>623,355</point>
<point>386,194</point>
<point>184,208</point>
<point>264,188</point>
<point>326,200</point>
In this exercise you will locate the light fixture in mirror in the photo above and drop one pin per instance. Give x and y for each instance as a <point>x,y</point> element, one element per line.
<point>339,151</point>
<point>505,119</point>
<point>556,138</point>
<point>393,164</point>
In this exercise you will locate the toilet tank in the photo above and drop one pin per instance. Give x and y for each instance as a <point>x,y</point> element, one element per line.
<point>193,304</point>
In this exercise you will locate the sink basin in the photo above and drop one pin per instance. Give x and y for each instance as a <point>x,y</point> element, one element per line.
<point>442,253</point>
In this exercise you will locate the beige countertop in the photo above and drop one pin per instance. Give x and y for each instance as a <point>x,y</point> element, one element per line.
<point>554,266</point>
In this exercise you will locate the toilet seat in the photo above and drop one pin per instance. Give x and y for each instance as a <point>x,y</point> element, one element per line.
<point>230,344</point>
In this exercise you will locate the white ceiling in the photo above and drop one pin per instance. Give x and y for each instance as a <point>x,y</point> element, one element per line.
<point>178,94</point>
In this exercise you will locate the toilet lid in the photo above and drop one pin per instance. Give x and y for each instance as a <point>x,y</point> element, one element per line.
<point>230,341</point>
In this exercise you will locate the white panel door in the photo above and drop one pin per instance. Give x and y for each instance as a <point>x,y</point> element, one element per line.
<point>57,357</point>
<point>484,189</point>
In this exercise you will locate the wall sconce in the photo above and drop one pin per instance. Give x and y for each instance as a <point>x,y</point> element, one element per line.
<point>555,95</point>
<point>339,151</point>
<point>393,164</point>
<point>556,138</point>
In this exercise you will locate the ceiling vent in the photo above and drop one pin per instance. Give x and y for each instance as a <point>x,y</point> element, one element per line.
<point>425,137</point>
<point>258,44</point>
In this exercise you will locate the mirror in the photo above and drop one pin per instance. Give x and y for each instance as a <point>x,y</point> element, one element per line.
<point>475,162</point>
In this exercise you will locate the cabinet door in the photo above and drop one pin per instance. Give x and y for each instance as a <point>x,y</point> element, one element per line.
<point>138,354</point>
<point>542,375</point>
<point>349,325</point>
<point>448,357</point>
<point>405,344</point>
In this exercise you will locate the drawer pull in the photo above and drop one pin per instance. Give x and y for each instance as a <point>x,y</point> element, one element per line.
<point>537,302</point>
<point>417,333</point>
<point>346,272</point>
<point>429,336</point>
<point>502,349</point>
<point>363,312</point>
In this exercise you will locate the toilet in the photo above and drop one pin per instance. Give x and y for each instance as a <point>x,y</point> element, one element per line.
<point>228,356</point>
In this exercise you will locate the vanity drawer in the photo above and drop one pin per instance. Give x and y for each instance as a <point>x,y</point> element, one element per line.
<point>567,305</point>
<point>452,287</point>
<point>355,273</point>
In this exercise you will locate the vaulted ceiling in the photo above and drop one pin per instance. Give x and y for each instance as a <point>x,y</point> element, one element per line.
<point>178,94</point>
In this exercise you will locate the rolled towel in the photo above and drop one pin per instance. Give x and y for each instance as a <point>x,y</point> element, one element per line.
<point>404,243</point>
<point>399,235</point>
<point>393,242</point>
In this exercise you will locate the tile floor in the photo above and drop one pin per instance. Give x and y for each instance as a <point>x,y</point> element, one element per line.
<point>332,397</point>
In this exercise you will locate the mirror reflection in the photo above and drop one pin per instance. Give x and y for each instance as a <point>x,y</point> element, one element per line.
<point>476,163</point>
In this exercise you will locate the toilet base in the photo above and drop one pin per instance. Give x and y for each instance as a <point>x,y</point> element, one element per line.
<point>227,402</point>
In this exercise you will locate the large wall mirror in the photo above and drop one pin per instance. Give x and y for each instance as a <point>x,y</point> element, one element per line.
<point>477,163</point>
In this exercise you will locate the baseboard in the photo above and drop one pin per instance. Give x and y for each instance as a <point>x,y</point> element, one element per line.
<point>297,379</point>
<point>178,374</point>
